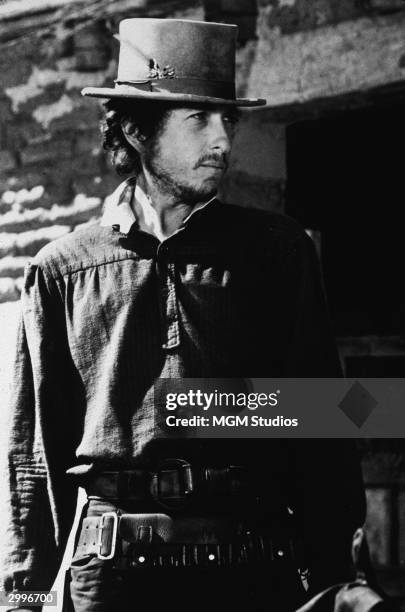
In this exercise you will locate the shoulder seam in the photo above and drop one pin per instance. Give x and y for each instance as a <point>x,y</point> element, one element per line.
<point>82,267</point>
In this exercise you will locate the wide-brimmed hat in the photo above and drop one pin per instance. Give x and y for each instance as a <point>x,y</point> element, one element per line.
<point>176,60</point>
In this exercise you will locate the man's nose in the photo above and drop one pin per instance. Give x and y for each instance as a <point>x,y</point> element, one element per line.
<point>220,136</point>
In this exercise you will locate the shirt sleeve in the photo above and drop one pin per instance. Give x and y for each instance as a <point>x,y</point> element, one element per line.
<point>39,501</point>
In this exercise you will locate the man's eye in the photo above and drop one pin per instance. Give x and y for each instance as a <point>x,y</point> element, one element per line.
<point>232,119</point>
<point>198,116</point>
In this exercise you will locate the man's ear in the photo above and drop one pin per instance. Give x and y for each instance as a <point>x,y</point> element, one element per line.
<point>133,134</point>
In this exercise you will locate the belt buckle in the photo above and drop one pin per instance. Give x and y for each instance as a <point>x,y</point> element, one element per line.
<point>174,501</point>
<point>100,542</point>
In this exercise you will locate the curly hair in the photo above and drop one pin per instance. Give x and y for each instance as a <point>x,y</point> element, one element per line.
<point>148,116</point>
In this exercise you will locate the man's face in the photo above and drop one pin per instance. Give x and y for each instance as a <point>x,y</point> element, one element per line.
<point>191,153</point>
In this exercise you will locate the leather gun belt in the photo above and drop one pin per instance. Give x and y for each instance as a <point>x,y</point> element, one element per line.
<point>159,540</point>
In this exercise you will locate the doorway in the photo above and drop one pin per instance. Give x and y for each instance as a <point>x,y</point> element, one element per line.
<point>346,180</point>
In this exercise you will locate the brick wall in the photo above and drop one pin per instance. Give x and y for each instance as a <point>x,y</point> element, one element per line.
<point>53,175</point>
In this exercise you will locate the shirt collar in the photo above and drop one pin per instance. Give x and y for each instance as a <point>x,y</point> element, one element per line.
<point>118,210</point>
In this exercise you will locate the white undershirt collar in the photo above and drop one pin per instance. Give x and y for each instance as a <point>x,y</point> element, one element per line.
<point>119,211</point>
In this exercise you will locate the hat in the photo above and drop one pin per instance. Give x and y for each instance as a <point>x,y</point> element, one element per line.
<point>176,60</point>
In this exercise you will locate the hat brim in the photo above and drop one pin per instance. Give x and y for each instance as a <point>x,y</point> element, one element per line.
<point>110,92</point>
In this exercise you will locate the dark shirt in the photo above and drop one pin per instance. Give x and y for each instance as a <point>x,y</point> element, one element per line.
<point>233,293</point>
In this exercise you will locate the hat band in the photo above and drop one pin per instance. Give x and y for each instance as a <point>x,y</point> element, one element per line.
<point>185,86</point>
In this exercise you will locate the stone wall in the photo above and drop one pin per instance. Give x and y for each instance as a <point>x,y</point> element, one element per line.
<point>349,59</point>
<point>257,172</point>
<point>311,52</point>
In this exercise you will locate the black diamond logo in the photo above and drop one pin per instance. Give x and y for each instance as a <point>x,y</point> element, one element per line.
<point>358,404</point>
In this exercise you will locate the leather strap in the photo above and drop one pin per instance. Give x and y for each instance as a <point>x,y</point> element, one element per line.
<point>159,540</point>
<point>174,482</point>
<point>89,535</point>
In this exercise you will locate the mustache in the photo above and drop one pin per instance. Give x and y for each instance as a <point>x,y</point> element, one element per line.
<point>215,158</point>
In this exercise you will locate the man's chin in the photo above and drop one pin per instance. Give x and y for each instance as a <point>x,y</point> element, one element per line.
<point>195,196</point>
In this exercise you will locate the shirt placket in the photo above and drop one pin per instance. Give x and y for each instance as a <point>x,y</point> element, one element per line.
<point>168,293</point>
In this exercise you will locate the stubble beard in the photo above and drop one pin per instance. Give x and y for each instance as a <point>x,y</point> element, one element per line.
<point>180,190</point>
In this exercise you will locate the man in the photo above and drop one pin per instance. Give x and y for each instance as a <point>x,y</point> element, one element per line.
<point>172,284</point>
